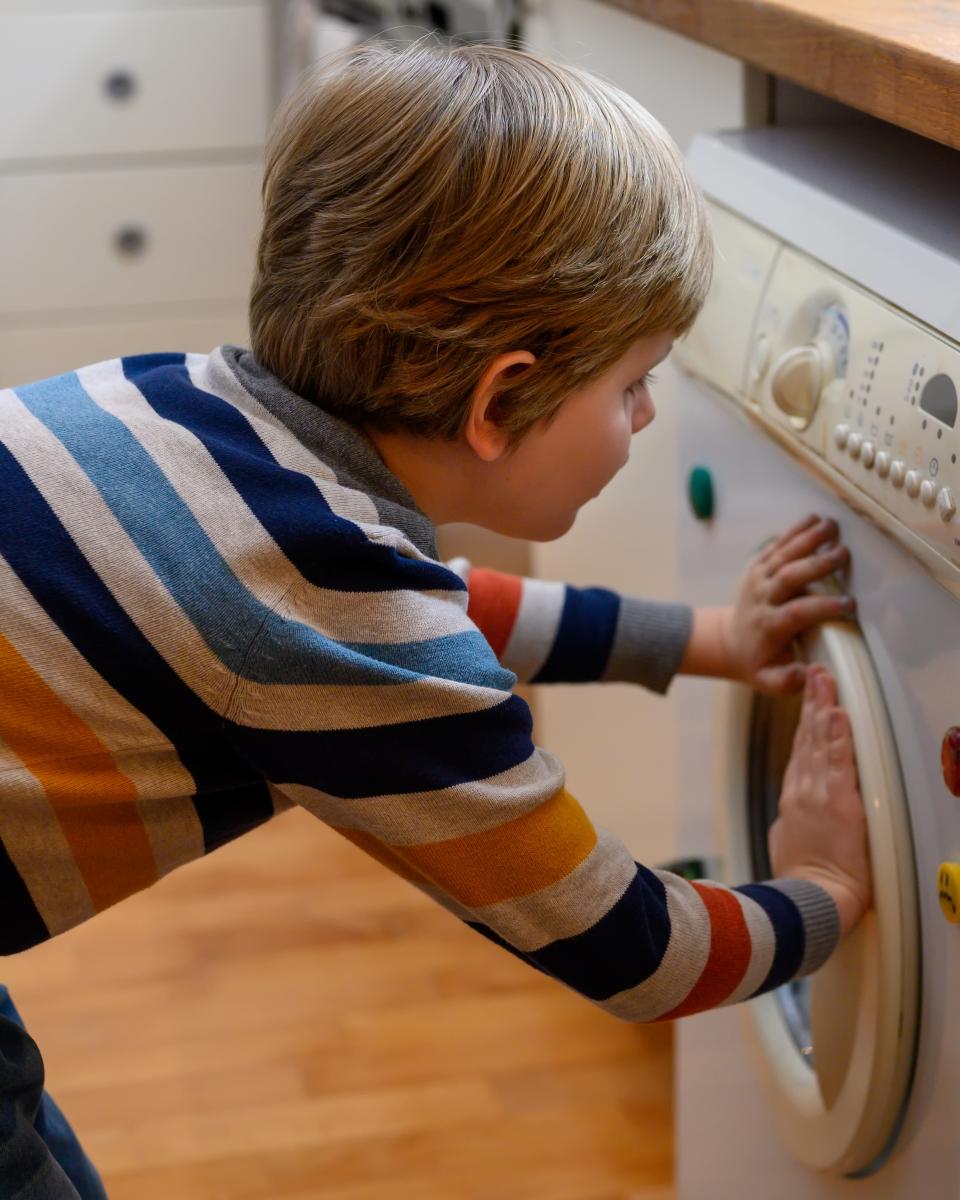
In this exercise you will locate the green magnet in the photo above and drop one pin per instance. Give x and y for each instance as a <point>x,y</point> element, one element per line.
<point>700,492</point>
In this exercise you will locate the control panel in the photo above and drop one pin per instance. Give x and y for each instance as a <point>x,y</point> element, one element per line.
<point>847,381</point>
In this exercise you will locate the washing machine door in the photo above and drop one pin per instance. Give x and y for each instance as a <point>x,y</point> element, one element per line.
<point>836,1050</point>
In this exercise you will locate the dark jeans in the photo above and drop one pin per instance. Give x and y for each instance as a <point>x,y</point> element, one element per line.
<point>40,1157</point>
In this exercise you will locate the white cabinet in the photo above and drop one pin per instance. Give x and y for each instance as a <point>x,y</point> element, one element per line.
<point>130,163</point>
<point>619,744</point>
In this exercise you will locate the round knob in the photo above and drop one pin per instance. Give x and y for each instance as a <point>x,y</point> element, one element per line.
<point>798,379</point>
<point>946,504</point>
<point>883,464</point>
<point>913,484</point>
<point>868,454</point>
<point>898,472</point>
<point>854,442</point>
<point>928,493</point>
<point>840,435</point>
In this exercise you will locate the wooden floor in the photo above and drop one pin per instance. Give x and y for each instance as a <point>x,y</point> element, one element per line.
<point>286,1019</point>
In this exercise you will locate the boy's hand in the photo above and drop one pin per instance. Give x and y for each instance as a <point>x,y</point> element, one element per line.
<point>821,832</point>
<point>772,608</point>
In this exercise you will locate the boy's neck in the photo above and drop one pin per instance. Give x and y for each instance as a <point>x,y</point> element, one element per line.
<point>442,476</point>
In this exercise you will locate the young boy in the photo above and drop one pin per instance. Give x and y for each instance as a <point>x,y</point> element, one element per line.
<point>221,593</point>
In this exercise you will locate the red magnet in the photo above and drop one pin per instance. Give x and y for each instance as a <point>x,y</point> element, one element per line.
<point>950,759</point>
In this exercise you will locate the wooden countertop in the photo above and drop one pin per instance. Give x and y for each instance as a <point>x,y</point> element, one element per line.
<point>895,59</point>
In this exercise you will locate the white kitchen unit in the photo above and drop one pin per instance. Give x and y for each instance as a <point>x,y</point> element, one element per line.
<point>822,376</point>
<point>130,162</point>
<point>618,742</point>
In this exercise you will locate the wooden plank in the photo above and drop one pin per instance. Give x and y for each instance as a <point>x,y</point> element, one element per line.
<point>286,1020</point>
<point>895,59</point>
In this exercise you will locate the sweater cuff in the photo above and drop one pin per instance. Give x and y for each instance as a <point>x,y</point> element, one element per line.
<point>649,643</point>
<point>821,920</point>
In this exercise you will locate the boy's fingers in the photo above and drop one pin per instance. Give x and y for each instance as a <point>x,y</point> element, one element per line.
<point>794,576</point>
<point>798,615</point>
<point>804,523</point>
<point>799,544</point>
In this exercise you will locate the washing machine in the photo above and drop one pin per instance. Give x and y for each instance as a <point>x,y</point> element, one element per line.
<point>822,377</point>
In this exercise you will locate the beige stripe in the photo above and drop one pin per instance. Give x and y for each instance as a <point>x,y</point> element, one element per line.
<point>212,374</point>
<point>326,707</point>
<point>256,560</point>
<point>38,848</point>
<point>535,629</point>
<point>416,818</point>
<point>118,562</point>
<point>682,964</point>
<point>147,758</point>
<point>569,907</point>
<point>164,802</point>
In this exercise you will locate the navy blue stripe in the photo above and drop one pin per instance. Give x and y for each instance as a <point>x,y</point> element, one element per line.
<point>21,925</point>
<point>328,550</point>
<point>622,950</point>
<point>581,649</point>
<point>226,815</point>
<point>64,584</point>
<point>791,938</point>
<point>413,756</point>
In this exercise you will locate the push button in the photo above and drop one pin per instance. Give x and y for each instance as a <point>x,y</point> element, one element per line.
<point>898,472</point>
<point>883,464</point>
<point>868,454</point>
<point>928,493</point>
<point>948,891</point>
<point>840,435</point>
<point>854,442</point>
<point>946,504</point>
<point>913,484</point>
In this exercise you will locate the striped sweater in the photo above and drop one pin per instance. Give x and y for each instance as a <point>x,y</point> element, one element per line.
<point>217,602</point>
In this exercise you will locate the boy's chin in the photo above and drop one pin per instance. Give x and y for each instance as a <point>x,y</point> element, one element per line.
<point>543,529</point>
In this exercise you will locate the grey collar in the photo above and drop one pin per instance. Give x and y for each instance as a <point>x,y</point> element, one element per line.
<point>344,448</point>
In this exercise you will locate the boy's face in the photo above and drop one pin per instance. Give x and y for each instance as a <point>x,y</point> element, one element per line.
<point>560,465</point>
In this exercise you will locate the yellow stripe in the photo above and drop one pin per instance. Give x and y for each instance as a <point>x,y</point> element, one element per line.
<point>515,859</point>
<point>94,802</point>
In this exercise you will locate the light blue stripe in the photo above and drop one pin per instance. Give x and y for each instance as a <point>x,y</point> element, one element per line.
<point>465,657</point>
<point>172,541</point>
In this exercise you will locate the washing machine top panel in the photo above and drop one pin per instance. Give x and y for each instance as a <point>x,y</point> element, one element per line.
<point>867,393</point>
<point>875,203</point>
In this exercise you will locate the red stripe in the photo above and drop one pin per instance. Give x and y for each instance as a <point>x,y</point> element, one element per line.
<point>730,949</point>
<point>494,604</point>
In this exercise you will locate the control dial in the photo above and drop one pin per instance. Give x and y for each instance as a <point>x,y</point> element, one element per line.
<point>801,374</point>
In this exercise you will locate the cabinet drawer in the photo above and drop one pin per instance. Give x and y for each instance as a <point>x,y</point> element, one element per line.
<point>132,82</point>
<point>38,352</point>
<point>110,238</point>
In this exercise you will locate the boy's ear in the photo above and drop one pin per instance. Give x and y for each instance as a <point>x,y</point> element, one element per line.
<point>483,432</point>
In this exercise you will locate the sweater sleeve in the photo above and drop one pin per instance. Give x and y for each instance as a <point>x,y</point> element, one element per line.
<point>554,633</point>
<point>387,715</point>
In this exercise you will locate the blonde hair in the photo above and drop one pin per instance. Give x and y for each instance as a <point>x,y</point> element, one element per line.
<point>428,207</point>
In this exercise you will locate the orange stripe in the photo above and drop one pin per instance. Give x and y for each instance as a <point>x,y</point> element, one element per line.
<point>94,802</point>
<point>493,605</point>
<point>512,860</point>
<point>729,957</point>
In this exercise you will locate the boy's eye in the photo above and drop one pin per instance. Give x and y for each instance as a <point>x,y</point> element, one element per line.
<point>645,382</point>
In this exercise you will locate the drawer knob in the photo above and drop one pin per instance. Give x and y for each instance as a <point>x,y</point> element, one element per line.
<point>130,241</point>
<point>120,85</point>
